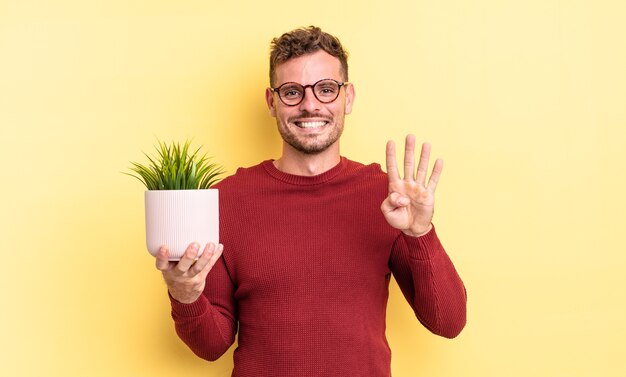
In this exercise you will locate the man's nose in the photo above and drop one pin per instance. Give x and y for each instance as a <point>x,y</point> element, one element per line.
<point>310,103</point>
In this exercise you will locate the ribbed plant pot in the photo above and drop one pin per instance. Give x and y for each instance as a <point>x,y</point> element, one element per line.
<point>176,218</point>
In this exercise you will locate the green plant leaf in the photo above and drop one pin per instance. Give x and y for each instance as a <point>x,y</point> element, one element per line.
<point>174,168</point>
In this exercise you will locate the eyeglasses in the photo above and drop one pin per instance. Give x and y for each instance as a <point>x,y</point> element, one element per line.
<point>325,90</point>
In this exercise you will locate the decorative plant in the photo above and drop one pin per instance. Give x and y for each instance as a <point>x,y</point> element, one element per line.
<point>174,168</point>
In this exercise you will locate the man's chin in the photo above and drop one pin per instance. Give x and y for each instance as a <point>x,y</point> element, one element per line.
<point>309,148</point>
<point>312,143</point>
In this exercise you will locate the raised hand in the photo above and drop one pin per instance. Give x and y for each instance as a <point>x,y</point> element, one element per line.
<point>186,278</point>
<point>411,201</point>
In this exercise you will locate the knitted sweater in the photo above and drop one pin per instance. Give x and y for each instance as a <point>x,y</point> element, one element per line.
<point>305,273</point>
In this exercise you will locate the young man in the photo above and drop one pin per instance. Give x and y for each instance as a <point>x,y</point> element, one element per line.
<point>311,240</point>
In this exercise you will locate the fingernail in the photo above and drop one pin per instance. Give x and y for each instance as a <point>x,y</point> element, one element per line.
<point>195,246</point>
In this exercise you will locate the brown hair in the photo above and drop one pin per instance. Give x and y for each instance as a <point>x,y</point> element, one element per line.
<point>304,41</point>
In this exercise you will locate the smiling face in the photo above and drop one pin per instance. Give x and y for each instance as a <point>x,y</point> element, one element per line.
<point>311,127</point>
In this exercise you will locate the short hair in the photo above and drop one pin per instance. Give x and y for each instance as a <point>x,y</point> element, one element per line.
<point>305,41</point>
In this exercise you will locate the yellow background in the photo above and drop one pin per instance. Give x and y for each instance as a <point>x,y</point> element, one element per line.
<point>525,101</point>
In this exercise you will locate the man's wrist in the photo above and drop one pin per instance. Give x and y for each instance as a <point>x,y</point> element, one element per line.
<point>194,309</point>
<point>418,232</point>
<point>184,298</point>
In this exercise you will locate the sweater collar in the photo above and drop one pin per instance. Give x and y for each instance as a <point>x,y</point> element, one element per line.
<point>302,180</point>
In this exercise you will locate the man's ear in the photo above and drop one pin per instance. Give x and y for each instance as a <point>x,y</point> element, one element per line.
<point>349,98</point>
<point>269,99</point>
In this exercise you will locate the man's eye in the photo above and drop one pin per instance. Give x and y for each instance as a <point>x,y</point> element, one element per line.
<point>327,91</point>
<point>291,93</point>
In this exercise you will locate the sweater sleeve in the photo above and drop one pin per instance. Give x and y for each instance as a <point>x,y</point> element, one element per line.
<point>208,326</point>
<point>430,283</point>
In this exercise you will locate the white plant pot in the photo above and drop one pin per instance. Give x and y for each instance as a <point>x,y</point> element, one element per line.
<point>176,218</point>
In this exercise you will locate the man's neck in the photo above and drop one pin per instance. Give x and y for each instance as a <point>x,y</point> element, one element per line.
<point>298,163</point>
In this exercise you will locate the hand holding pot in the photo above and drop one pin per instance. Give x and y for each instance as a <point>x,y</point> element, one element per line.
<point>186,278</point>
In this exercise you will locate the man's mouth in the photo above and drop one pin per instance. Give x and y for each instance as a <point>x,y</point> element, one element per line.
<point>315,124</point>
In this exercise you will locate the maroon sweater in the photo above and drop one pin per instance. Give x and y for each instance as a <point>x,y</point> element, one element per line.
<point>305,274</point>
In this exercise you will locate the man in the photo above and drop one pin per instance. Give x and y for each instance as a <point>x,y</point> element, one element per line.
<point>308,254</point>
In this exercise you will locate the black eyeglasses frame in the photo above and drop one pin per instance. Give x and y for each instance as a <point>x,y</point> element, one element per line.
<point>312,86</point>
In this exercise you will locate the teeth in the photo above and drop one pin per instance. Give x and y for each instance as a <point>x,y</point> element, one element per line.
<point>311,124</point>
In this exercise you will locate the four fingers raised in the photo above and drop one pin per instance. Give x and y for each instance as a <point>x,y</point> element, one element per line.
<point>409,164</point>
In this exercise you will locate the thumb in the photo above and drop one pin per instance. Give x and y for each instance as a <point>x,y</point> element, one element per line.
<point>393,201</point>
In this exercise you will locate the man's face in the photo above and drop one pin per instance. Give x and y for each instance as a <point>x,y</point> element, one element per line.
<point>310,127</point>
